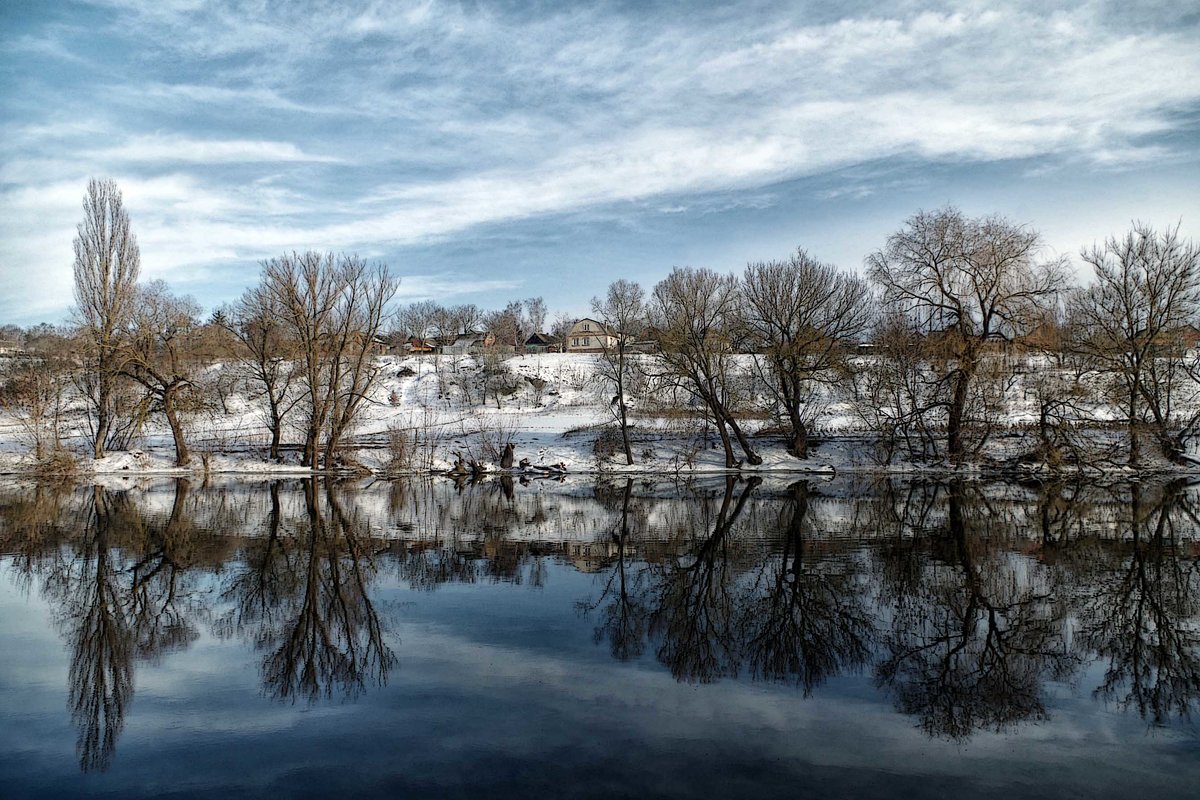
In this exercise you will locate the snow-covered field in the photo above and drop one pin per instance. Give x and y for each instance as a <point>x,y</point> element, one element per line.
<point>553,410</point>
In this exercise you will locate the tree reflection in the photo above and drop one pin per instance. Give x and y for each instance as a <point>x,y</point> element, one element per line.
<point>1140,612</point>
<point>623,613</point>
<point>694,606</point>
<point>805,620</point>
<point>101,641</point>
<point>159,620</point>
<point>329,637</point>
<point>972,643</point>
<point>964,600</point>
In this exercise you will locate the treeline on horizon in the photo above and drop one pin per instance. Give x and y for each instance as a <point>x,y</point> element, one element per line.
<point>954,316</point>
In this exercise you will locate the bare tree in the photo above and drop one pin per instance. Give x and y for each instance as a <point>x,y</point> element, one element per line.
<point>561,326</point>
<point>107,261</point>
<point>801,316</point>
<point>419,319</point>
<point>894,392</point>
<point>693,310</point>
<point>33,391</point>
<point>623,312</point>
<point>462,318</point>
<point>1146,289</point>
<point>964,283</point>
<point>157,352</point>
<point>535,314</point>
<point>508,325</point>
<point>267,355</point>
<point>333,309</point>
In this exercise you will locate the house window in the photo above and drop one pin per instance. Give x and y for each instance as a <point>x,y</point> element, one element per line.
<point>587,326</point>
<point>575,342</point>
<point>586,341</point>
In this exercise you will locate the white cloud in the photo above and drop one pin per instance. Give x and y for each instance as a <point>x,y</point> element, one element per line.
<point>204,151</point>
<point>398,124</point>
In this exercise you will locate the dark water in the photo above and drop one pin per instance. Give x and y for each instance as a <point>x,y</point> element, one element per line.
<point>845,639</point>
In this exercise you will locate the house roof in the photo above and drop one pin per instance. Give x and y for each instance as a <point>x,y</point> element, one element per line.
<point>541,339</point>
<point>600,326</point>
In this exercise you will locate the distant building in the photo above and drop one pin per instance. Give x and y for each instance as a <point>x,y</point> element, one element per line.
<point>590,336</point>
<point>416,346</point>
<point>542,343</point>
<point>470,343</point>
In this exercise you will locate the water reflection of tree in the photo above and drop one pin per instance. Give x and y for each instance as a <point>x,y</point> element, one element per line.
<point>116,610</point>
<point>160,618</point>
<point>100,638</point>
<point>973,641</point>
<point>976,586</point>
<point>1139,610</point>
<point>804,619</point>
<point>712,605</point>
<point>307,600</point>
<point>623,617</point>
<point>693,601</point>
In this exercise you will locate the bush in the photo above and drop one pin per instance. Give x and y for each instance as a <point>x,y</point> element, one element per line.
<point>400,450</point>
<point>57,463</point>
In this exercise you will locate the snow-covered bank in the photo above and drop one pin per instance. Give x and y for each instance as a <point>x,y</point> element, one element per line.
<point>426,412</point>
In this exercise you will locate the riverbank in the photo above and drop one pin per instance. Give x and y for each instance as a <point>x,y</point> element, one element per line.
<point>427,413</point>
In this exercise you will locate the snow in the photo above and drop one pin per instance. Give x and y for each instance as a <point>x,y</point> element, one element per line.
<point>436,400</point>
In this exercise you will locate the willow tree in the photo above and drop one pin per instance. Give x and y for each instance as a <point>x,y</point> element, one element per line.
<point>107,262</point>
<point>801,318</point>
<point>964,283</point>
<point>333,307</point>
<point>158,351</point>
<point>694,311</point>
<point>1129,323</point>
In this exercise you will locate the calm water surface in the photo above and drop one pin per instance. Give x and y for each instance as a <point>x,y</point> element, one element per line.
<point>727,639</point>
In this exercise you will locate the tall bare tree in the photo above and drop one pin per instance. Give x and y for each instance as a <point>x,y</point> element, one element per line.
<point>107,262</point>
<point>623,311</point>
<point>693,310</point>
<point>964,283</point>
<point>333,307</point>
<point>1129,321</point>
<point>535,314</point>
<point>158,352</point>
<point>801,318</point>
<point>267,355</point>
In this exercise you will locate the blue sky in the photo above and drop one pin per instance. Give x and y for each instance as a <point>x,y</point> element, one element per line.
<point>493,151</point>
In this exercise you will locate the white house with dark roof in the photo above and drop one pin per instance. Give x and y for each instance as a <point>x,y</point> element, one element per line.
<point>590,336</point>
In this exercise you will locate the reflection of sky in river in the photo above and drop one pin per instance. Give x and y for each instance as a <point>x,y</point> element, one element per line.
<point>501,690</point>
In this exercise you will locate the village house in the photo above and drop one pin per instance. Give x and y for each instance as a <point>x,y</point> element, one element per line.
<point>470,343</point>
<point>542,343</point>
<point>590,336</point>
<point>417,346</point>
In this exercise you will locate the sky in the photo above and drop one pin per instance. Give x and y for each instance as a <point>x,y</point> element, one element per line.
<point>496,151</point>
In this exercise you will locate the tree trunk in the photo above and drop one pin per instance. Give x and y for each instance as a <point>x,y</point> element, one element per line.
<point>743,442</point>
<point>276,435</point>
<point>276,423</point>
<point>621,403</point>
<point>182,457</point>
<point>102,417</point>
<point>1134,450</point>
<point>954,425</point>
<point>625,430</point>
<point>730,463</point>
<point>310,449</point>
<point>799,447</point>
